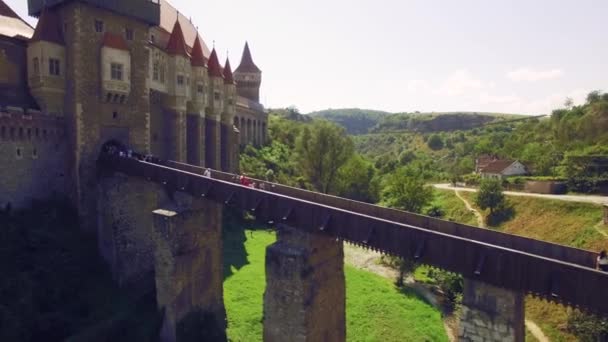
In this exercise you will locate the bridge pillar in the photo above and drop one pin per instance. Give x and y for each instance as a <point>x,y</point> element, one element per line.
<point>305,289</point>
<point>188,260</point>
<point>490,313</point>
<point>124,228</point>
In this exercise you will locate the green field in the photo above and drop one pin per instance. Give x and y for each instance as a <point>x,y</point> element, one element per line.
<point>376,309</point>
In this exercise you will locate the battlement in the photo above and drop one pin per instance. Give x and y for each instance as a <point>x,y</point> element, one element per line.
<point>20,125</point>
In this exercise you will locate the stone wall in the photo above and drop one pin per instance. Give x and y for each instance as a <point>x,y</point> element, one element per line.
<point>305,289</point>
<point>33,154</point>
<point>188,264</point>
<point>490,313</point>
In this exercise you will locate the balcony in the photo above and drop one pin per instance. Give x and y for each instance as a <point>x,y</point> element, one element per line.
<point>144,10</point>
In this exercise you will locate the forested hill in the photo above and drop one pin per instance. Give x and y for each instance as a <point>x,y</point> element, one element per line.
<point>362,121</point>
<point>438,122</point>
<point>355,120</point>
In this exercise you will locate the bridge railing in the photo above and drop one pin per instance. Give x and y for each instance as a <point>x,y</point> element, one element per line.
<point>528,245</point>
<point>552,279</point>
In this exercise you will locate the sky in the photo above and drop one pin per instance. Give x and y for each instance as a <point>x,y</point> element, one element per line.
<point>509,56</point>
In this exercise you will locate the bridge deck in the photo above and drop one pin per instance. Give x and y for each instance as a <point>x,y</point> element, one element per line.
<point>569,283</point>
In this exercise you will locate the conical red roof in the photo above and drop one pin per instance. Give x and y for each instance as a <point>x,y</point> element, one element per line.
<point>215,70</point>
<point>177,43</point>
<point>48,28</point>
<point>198,58</point>
<point>247,64</point>
<point>228,77</point>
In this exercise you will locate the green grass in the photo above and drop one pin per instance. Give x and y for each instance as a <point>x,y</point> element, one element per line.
<point>453,207</point>
<point>375,309</point>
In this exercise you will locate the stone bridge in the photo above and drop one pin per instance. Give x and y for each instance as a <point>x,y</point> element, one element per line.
<point>160,226</point>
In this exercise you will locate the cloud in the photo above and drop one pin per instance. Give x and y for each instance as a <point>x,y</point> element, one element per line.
<point>459,83</point>
<point>530,75</point>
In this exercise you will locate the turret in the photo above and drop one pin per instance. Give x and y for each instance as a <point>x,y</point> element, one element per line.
<point>229,94</point>
<point>216,86</point>
<point>46,63</point>
<point>200,79</point>
<point>248,77</point>
<point>179,69</point>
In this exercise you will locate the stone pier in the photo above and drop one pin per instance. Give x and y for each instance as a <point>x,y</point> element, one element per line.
<point>491,314</point>
<point>305,290</point>
<point>188,265</point>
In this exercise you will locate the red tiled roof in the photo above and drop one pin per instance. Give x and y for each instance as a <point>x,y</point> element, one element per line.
<point>497,166</point>
<point>177,43</point>
<point>198,58</point>
<point>48,28</point>
<point>114,41</point>
<point>168,14</point>
<point>228,77</point>
<point>247,64</point>
<point>215,70</point>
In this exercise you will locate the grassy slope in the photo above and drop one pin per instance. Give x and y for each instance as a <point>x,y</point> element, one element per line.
<point>454,209</point>
<point>561,222</point>
<point>376,310</point>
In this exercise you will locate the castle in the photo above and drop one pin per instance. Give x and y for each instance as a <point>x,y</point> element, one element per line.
<point>134,71</point>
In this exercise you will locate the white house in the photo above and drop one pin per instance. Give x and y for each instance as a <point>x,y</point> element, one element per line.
<point>502,168</point>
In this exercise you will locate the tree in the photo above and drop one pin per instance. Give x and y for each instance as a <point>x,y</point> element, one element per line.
<point>435,142</point>
<point>357,180</point>
<point>322,149</point>
<point>405,189</point>
<point>490,195</point>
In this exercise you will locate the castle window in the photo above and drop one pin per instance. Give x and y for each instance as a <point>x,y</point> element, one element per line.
<point>36,66</point>
<point>116,71</point>
<point>230,101</point>
<point>114,115</point>
<point>129,34</point>
<point>20,132</point>
<point>180,80</point>
<point>18,153</point>
<point>217,96</point>
<point>35,153</point>
<point>29,134</point>
<point>152,38</point>
<point>162,74</point>
<point>98,26</point>
<point>200,89</point>
<point>37,133</point>
<point>54,67</point>
<point>155,71</point>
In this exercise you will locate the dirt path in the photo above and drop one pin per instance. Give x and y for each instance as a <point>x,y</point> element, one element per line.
<point>599,228</point>
<point>536,331</point>
<point>480,220</point>
<point>595,199</point>
<point>369,260</point>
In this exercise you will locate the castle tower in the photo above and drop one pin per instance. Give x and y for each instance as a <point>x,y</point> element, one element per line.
<point>46,64</point>
<point>178,92</point>
<point>229,139</point>
<point>248,77</point>
<point>196,107</point>
<point>106,52</point>
<point>214,112</point>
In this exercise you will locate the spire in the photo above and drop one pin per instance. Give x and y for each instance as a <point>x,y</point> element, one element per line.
<point>228,77</point>
<point>198,58</point>
<point>177,43</point>
<point>247,64</point>
<point>48,28</point>
<point>215,70</point>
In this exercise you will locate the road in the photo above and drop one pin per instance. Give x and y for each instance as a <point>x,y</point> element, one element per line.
<point>594,199</point>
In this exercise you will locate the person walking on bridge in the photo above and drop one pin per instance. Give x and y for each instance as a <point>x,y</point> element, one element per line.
<point>602,261</point>
<point>207,173</point>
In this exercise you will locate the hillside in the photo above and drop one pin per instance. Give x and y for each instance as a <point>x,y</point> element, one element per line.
<point>355,120</point>
<point>438,122</point>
